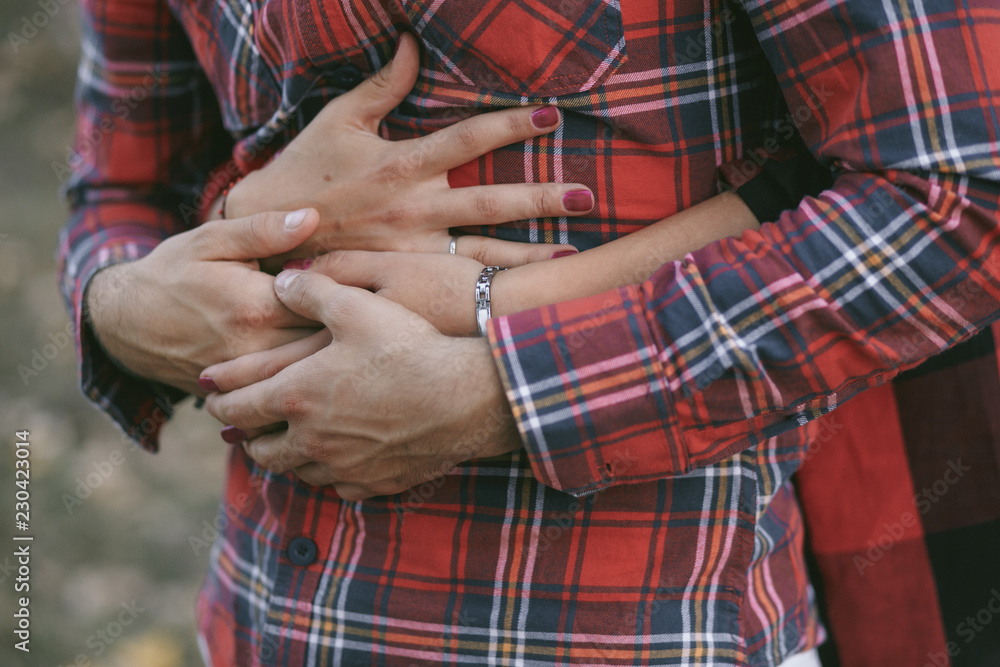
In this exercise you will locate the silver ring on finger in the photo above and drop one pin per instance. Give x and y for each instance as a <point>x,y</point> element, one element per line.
<point>453,245</point>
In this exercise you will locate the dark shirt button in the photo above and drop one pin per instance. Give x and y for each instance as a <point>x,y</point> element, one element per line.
<point>302,551</point>
<point>347,76</point>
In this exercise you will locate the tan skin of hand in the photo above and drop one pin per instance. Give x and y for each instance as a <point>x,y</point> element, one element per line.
<point>374,194</point>
<point>440,287</point>
<point>381,400</point>
<point>385,402</point>
<point>208,282</point>
<point>199,298</point>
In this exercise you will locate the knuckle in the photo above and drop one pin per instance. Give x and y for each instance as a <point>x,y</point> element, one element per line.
<point>231,413</point>
<point>247,319</point>
<point>207,241</point>
<point>407,478</point>
<point>344,476</point>
<point>313,448</point>
<point>305,476</point>
<point>351,493</point>
<point>419,152</point>
<point>237,414</point>
<point>468,136</point>
<point>275,460</point>
<point>257,453</point>
<point>269,368</point>
<point>274,463</point>
<point>294,406</point>
<point>381,79</point>
<point>236,344</point>
<point>257,227</point>
<point>541,202</point>
<point>331,263</point>
<point>298,293</point>
<point>217,408</point>
<point>310,476</point>
<point>488,205</point>
<point>479,251</point>
<point>519,125</point>
<point>395,168</point>
<point>395,215</point>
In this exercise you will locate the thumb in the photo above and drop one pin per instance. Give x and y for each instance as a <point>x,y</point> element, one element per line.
<point>321,299</point>
<point>496,252</point>
<point>374,98</point>
<point>258,236</point>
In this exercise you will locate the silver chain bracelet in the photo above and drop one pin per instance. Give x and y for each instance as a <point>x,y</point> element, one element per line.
<point>483,310</point>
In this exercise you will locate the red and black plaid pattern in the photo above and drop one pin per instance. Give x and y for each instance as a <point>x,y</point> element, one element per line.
<point>525,47</point>
<point>910,567</point>
<point>671,408</point>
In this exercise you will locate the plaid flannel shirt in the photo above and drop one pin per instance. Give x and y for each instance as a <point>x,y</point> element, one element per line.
<point>676,410</point>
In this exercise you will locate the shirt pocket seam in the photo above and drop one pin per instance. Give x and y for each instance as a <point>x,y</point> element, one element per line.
<point>480,65</point>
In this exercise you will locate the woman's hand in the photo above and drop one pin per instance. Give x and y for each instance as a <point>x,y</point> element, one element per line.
<point>374,194</point>
<point>441,288</point>
<point>199,298</point>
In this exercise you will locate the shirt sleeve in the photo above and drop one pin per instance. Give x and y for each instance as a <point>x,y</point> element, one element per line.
<point>753,336</point>
<point>148,132</point>
<point>775,176</point>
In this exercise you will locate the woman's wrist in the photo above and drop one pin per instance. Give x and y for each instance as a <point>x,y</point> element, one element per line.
<point>625,261</point>
<point>536,284</point>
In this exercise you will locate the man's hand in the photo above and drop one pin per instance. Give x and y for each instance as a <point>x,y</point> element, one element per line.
<point>388,404</point>
<point>374,194</point>
<point>199,298</point>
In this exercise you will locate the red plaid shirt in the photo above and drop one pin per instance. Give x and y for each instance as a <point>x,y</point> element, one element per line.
<point>673,412</point>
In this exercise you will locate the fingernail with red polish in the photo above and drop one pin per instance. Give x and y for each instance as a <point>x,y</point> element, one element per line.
<point>301,264</point>
<point>545,117</point>
<point>564,253</point>
<point>208,384</point>
<point>578,201</point>
<point>233,435</point>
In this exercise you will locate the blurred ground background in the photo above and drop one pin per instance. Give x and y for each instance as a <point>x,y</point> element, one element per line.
<point>128,541</point>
